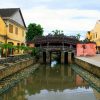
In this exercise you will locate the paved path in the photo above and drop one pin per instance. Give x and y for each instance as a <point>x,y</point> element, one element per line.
<point>95,60</point>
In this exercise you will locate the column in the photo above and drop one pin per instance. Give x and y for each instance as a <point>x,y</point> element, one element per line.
<point>62,57</point>
<point>47,56</point>
<point>69,57</point>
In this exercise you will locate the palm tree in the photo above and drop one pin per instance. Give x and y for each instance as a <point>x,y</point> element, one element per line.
<point>78,36</point>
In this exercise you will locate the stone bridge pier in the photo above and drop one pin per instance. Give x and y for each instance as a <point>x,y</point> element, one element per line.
<point>64,56</point>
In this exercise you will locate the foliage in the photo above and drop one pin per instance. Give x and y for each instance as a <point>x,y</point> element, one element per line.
<point>33,30</point>
<point>78,36</point>
<point>86,40</point>
<point>10,46</point>
<point>6,46</point>
<point>35,51</point>
<point>57,32</point>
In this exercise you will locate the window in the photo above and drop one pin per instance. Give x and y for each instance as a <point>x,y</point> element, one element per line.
<point>16,30</point>
<point>10,28</point>
<point>23,33</point>
<point>96,35</point>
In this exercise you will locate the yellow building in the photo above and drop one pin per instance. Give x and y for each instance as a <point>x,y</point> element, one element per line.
<point>94,35</point>
<point>2,30</point>
<point>15,27</point>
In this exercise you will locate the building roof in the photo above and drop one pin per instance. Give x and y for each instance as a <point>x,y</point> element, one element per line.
<point>55,39</point>
<point>6,13</point>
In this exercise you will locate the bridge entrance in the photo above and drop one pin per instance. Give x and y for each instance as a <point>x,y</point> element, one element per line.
<point>61,48</point>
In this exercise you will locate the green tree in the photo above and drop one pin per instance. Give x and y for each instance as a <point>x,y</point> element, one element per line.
<point>33,30</point>
<point>78,36</point>
<point>86,40</point>
<point>57,32</point>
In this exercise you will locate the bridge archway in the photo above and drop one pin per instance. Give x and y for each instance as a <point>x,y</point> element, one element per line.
<point>55,55</point>
<point>44,57</point>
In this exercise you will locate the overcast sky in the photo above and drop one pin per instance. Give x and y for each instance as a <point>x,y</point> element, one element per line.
<point>71,16</point>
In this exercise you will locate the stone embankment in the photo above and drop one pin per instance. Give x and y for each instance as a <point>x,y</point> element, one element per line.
<point>91,64</point>
<point>12,80</point>
<point>12,65</point>
<point>14,69</point>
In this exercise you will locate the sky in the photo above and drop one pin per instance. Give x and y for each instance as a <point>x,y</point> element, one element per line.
<point>71,16</point>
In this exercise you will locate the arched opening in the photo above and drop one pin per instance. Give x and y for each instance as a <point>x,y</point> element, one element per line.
<point>66,57</point>
<point>18,44</point>
<point>72,56</point>
<point>55,58</point>
<point>44,57</point>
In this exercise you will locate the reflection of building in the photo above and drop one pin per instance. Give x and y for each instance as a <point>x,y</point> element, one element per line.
<point>15,26</point>
<point>79,80</point>
<point>58,78</point>
<point>94,35</point>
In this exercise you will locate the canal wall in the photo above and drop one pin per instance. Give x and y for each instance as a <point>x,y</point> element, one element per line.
<point>90,78</point>
<point>88,65</point>
<point>12,80</point>
<point>11,68</point>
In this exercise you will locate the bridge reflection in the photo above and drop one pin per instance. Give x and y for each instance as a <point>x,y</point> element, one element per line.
<point>58,78</point>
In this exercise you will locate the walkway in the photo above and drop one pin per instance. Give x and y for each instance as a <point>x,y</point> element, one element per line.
<point>94,60</point>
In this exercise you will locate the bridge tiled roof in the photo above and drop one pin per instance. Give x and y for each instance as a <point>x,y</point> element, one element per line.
<point>55,39</point>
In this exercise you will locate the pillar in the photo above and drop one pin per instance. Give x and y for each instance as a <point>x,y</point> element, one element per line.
<point>62,57</point>
<point>43,57</point>
<point>47,57</point>
<point>69,57</point>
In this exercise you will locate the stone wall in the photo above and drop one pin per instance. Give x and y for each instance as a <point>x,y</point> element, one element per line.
<point>89,67</point>
<point>15,67</point>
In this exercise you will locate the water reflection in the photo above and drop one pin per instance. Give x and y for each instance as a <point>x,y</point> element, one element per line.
<point>64,95</point>
<point>51,83</point>
<point>53,63</point>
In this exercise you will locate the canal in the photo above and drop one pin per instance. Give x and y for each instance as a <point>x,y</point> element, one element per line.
<point>52,82</point>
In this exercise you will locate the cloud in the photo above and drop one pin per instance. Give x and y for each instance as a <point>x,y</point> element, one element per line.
<point>78,4</point>
<point>63,19</point>
<point>71,16</point>
<point>54,4</point>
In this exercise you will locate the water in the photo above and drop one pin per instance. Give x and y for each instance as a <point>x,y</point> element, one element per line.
<point>55,82</point>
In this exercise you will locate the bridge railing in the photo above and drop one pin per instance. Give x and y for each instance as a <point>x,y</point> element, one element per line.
<point>57,48</point>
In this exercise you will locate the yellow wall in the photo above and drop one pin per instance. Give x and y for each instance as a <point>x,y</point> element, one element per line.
<point>2,30</point>
<point>13,37</point>
<point>17,38</point>
<point>94,34</point>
